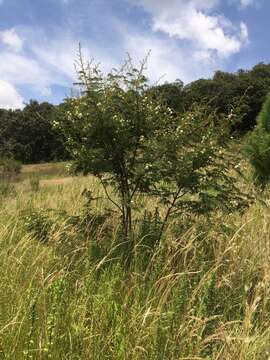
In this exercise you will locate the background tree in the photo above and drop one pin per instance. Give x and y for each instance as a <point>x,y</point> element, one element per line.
<point>245,90</point>
<point>28,135</point>
<point>248,88</point>
<point>172,95</point>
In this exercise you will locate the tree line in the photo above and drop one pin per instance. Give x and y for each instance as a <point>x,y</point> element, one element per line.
<point>29,135</point>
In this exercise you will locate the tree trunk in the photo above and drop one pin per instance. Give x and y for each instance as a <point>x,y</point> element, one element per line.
<point>128,233</point>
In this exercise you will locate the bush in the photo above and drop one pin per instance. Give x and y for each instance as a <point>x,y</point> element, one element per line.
<point>134,143</point>
<point>257,147</point>
<point>38,224</point>
<point>9,168</point>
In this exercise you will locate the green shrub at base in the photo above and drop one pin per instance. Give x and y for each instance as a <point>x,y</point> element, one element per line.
<point>9,168</point>
<point>257,147</point>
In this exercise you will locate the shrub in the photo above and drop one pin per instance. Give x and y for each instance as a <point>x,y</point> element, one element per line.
<point>134,143</point>
<point>9,168</point>
<point>38,224</point>
<point>257,147</point>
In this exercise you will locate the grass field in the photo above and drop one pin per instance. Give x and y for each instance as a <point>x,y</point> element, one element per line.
<point>203,293</point>
<point>44,171</point>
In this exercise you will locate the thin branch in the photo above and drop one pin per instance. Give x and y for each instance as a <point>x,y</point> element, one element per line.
<point>108,196</point>
<point>169,211</point>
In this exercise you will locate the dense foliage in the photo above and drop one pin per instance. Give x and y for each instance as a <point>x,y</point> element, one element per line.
<point>9,168</point>
<point>241,94</point>
<point>257,146</point>
<point>28,135</point>
<point>131,140</point>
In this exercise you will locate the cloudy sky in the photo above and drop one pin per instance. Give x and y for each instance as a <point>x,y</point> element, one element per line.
<point>188,39</point>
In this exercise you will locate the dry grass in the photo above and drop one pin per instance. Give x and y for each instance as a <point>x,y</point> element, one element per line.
<point>47,170</point>
<point>203,293</point>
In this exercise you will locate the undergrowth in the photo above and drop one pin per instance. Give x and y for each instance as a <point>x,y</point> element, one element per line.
<point>202,292</point>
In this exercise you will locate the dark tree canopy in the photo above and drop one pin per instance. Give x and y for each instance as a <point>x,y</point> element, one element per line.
<point>28,135</point>
<point>242,92</point>
<point>257,147</point>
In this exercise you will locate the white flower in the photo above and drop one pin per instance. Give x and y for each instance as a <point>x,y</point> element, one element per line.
<point>55,123</point>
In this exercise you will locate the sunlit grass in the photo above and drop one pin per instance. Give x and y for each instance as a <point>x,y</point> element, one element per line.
<point>203,293</point>
<point>45,171</point>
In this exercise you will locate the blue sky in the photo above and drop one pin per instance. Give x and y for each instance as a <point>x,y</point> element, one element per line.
<point>188,39</point>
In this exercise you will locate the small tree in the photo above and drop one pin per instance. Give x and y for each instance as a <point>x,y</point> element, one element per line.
<point>127,136</point>
<point>257,147</point>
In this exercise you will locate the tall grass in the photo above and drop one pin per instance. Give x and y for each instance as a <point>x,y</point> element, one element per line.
<point>203,293</point>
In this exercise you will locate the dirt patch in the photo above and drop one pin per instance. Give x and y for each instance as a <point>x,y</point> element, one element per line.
<point>59,181</point>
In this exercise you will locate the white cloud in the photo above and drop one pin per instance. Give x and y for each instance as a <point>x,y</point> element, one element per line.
<point>45,62</point>
<point>42,65</point>
<point>59,56</point>
<point>245,3</point>
<point>11,39</point>
<point>167,61</point>
<point>197,41</point>
<point>193,21</point>
<point>21,69</point>
<point>9,97</point>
